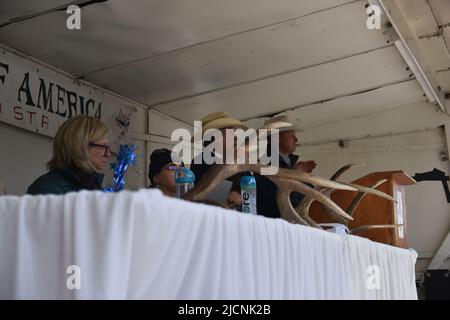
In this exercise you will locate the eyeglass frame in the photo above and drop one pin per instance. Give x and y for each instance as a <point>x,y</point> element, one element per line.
<point>172,167</point>
<point>107,147</point>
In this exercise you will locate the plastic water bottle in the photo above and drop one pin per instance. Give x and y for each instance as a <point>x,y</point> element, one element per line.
<point>248,194</point>
<point>184,180</point>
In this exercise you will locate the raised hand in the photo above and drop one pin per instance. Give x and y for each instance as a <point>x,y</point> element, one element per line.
<point>305,166</point>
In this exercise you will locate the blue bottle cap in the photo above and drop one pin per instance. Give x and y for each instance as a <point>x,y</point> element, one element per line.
<point>184,175</point>
<point>248,181</point>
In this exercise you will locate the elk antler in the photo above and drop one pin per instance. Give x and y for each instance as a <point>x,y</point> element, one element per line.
<point>286,186</point>
<point>286,179</point>
<point>302,208</point>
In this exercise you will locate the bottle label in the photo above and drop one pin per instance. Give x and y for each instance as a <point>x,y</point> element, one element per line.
<point>248,197</point>
<point>246,202</point>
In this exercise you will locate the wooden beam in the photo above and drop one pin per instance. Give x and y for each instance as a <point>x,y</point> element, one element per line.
<point>410,41</point>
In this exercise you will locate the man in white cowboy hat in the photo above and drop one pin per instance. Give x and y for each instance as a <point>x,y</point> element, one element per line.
<point>220,121</point>
<point>287,143</point>
<point>266,190</point>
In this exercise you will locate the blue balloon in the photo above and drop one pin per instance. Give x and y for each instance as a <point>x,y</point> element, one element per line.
<point>125,158</point>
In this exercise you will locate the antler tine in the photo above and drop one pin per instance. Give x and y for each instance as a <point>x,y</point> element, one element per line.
<point>356,201</point>
<point>294,185</point>
<point>341,171</point>
<point>314,180</point>
<point>303,207</point>
<point>297,175</point>
<point>335,176</point>
<point>294,174</point>
<point>286,210</point>
<point>375,226</point>
<point>370,191</point>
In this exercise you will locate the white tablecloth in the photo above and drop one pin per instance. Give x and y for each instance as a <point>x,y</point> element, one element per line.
<point>142,245</point>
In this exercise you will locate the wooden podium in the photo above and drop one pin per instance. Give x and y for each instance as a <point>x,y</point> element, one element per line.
<point>374,210</point>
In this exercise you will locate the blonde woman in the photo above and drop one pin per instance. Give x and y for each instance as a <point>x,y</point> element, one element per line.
<point>80,153</point>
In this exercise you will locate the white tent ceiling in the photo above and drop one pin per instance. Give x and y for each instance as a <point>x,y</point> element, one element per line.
<point>430,21</point>
<point>252,58</point>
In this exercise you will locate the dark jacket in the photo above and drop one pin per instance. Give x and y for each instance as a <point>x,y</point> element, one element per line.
<point>266,190</point>
<point>199,169</point>
<point>64,180</point>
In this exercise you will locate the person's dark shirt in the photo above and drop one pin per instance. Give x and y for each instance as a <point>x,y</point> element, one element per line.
<point>266,191</point>
<point>199,167</point>
<point>64,180</point>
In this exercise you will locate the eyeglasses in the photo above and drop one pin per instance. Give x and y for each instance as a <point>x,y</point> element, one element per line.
<point>171,168</point>
<point>107,147</point>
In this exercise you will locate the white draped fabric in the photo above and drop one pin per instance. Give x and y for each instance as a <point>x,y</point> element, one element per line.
<point>142,245</point>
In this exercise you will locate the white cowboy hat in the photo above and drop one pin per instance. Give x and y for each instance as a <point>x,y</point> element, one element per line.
<point>281,122</point>
<point>220,120</point>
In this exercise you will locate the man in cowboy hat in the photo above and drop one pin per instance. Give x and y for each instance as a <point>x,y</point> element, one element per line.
<point>220,121</point>
<point>266,190</point>
<point>287,143</point>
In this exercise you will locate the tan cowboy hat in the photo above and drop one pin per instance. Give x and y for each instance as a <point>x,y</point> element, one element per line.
<point>220,120</point>
<point>281,122</point>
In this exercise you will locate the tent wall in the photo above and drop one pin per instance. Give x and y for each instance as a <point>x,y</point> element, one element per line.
<point>22,157</point>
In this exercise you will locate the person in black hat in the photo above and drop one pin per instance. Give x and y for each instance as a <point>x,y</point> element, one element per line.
<point>161,171</point>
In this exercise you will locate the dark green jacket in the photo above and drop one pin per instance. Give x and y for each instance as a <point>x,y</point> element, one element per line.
<point>64,180</point>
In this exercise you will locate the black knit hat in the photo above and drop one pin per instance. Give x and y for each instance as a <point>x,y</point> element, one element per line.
<point>158,160</point>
